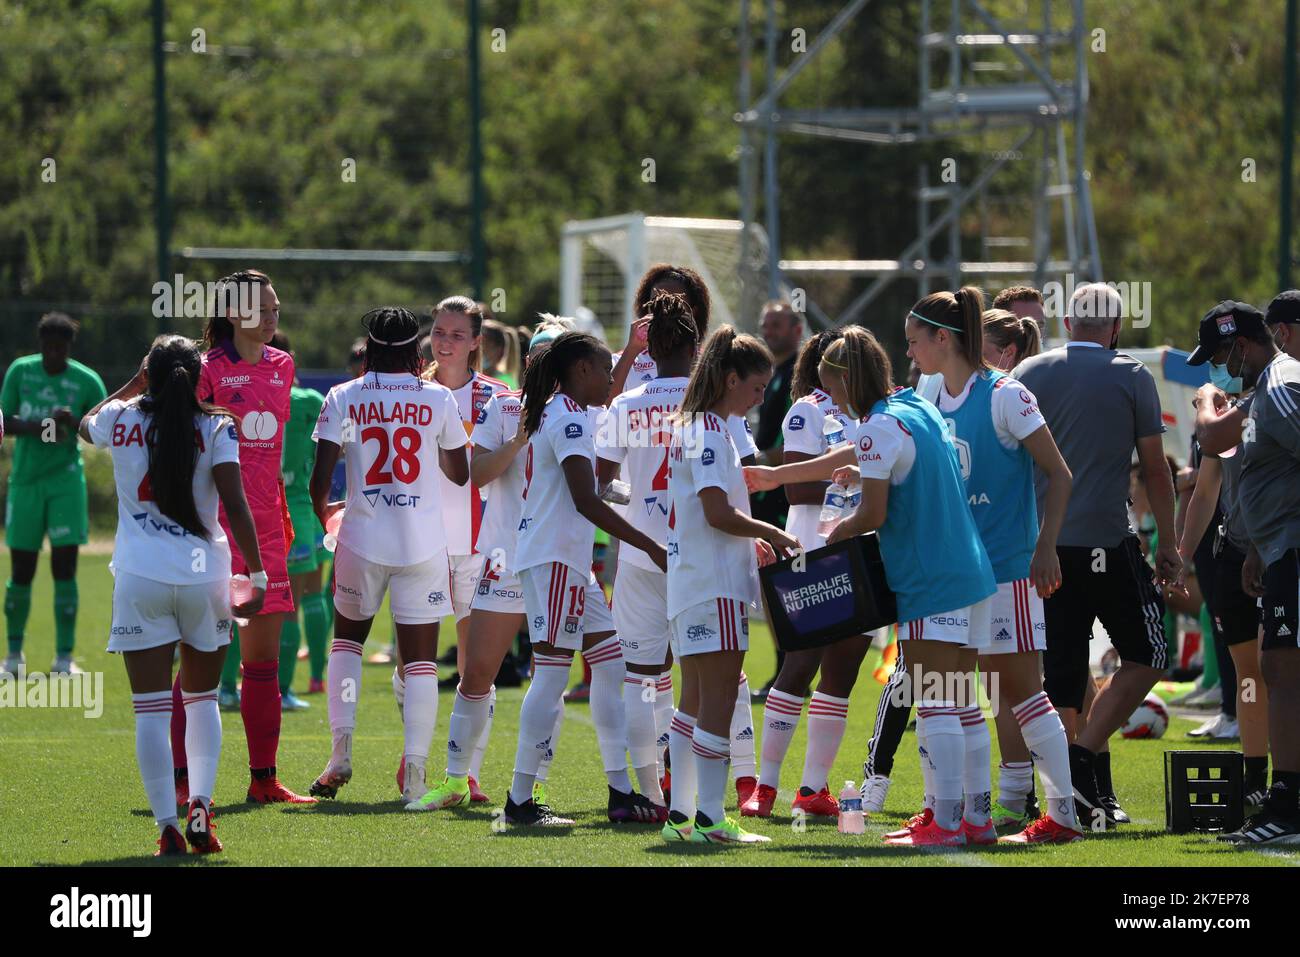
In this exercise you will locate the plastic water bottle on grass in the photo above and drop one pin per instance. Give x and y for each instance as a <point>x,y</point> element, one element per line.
<point>852,820</point>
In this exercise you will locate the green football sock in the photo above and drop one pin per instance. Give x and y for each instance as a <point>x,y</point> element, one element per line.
<point>230,670</point>
<point>65,615</point>
<point>18,604</point>
<point>290,639</point>
<point>329,596</point>
<point>316,621</point>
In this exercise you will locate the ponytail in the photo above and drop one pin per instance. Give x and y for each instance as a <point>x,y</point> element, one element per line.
<point>1003,328</point>
<point>672,330</point>
<point>868,374</point>
<point>958,314</point>
<point>546,372</point>
<point>724,352</point>
<point>173,369</point>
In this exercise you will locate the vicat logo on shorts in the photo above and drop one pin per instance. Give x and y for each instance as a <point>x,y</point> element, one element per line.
<point>392,499</point>
<point>437,597</point>
<point>699,633</point>
<point>120,631</point>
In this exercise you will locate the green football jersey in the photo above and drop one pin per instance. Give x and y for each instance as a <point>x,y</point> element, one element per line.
<point>30,393</point>
<point>299,449</point>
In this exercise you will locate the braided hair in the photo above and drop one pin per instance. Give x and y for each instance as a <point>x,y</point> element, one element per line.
<point>672,329</point>
<point>392,343</point>
<point>171,402</point>
<point>697,294</point>
<point>547,369</point>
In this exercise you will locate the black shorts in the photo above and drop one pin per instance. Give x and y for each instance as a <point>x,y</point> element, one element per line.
<point>1234,614</point>
<point>1282,602</point>
<point>1117,586</point>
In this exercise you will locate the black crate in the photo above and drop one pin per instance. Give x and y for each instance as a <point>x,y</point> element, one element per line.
<point>827,594</point>
<point>1204,791</point>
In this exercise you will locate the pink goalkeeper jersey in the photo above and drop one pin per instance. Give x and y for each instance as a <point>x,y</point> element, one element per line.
<point>258,396</point>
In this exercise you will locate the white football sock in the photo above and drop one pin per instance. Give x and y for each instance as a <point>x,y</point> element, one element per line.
<point>1044,736</point>
<point>828,716</point>
<point>202,741</point>
<point>607,672</point>
<point>977,783</point>
<point>537,716</point>
<point>680,735</point>
<point>780,719</point>
<point>469,716</point>
<point>742,732</point>
<point>420,710</point>
<point>153,753</point>
<point>544,766</point>
<point>639,695</point>
<point>945,741</point>
<point>480,748</point>
<point>664,711</point>
<point>343,679</point>
<point>1015,781</point>
<point>712,753</point>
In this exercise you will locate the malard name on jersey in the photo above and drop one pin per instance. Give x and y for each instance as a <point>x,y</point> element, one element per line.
<point>378,413</point>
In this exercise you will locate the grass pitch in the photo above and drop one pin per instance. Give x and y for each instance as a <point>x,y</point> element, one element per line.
<point>70,792</point>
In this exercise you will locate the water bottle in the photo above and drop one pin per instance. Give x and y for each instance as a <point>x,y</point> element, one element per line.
<point>833,508</point>
<point>617,492</point>
<point>832,431</point>
<point>852,820</point>
<point>241,589</point>
<point>331,540</point>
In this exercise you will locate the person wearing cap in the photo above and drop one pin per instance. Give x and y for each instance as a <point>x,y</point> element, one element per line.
<point>1218,421</point>
<point>1238,340</point>
<point>1101,405</point>
<point>1214,537</point>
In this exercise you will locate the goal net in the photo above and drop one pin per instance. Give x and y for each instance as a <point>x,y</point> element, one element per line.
<point>602,261</point>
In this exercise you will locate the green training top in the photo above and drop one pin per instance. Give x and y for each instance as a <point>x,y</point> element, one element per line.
<point>299,449</point>
<point>30,393</point>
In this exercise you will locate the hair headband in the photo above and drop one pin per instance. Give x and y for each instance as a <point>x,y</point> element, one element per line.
<point>941,325</point>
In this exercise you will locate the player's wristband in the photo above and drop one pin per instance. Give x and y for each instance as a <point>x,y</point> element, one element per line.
<point>259,580</point>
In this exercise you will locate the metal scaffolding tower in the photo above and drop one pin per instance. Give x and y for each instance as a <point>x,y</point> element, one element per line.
<point>1030,81</point>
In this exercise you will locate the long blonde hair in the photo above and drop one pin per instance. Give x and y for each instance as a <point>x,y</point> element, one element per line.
<point>861,359</point>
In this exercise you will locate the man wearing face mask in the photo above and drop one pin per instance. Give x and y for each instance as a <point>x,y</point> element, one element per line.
<point>1268,496</point>
<point>1101,406</point>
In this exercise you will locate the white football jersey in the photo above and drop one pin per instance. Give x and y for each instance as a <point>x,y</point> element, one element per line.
<point>803,431</point>
<point>497,425</point>
<point>463,504</point>
<point>704,563</point>
<point>644,369</point>
<point>148,543</point>
<point>391,426</point>
<point>636,432</point>
<point>550,528</point>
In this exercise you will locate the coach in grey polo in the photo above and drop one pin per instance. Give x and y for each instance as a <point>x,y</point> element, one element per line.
<point>1268,495</point>
<point>1101,406</point>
